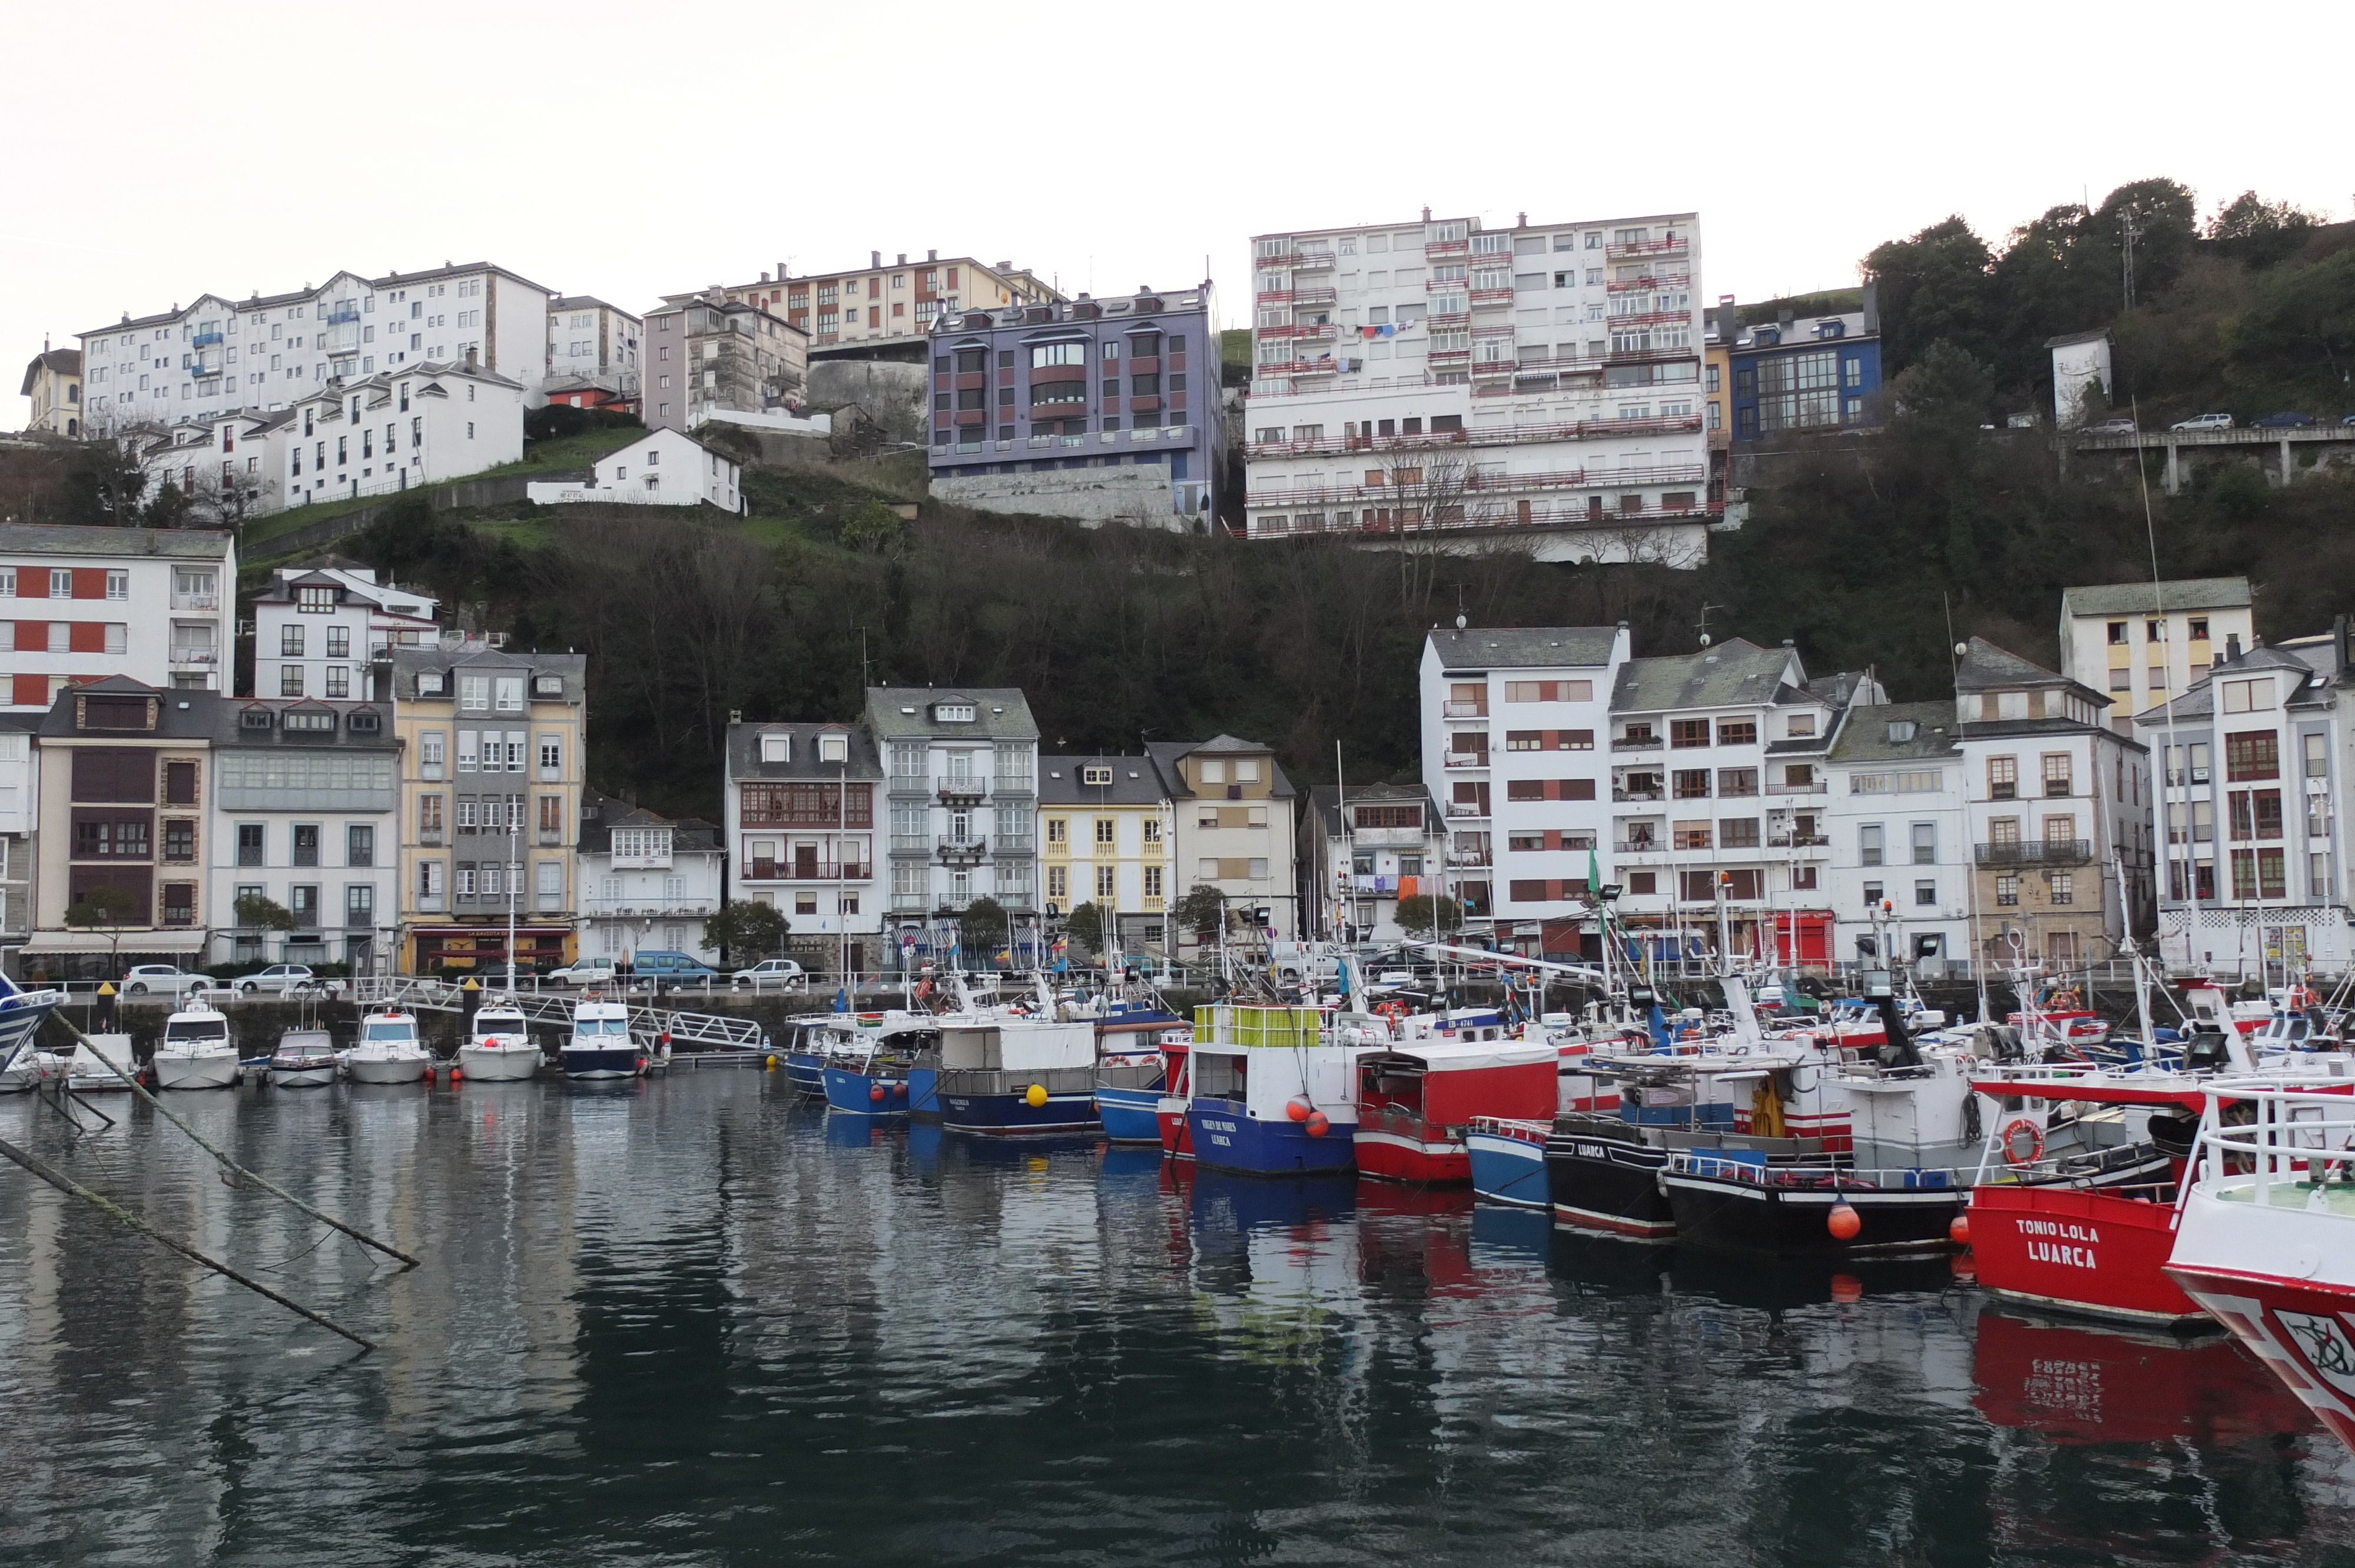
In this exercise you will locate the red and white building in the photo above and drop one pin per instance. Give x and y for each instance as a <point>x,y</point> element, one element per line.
<point>80,604</point>
<point>1540,382</point>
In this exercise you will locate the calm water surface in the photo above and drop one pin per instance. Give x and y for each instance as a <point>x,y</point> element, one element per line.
<point>691,1323</point>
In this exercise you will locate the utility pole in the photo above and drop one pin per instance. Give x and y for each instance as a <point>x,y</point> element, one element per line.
<point>2129,231</point>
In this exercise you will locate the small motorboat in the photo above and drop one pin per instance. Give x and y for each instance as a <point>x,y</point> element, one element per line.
<point>304,1059</point>
<point>86,1073</point>
<point>599,1045</point>
<point>389,1051</point>
<point>196,1052</point>
<point>499,1049</point>
<point>24,1066</point>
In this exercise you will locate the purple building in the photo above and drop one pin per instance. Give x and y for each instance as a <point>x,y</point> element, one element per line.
<point>1029,401</point>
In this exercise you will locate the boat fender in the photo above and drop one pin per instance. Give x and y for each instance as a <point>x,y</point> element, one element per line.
<point>1843,1221</point>
<point>1959,1230</point>
<point>1035,1095</point>
<point>2009,1138</point>
<point>1298,1109</point>
<point>770,1065</point>
<point>898,1091</point>
<point>875,1093</point>
<point>1317,1124</point>
<point>455,1073</point>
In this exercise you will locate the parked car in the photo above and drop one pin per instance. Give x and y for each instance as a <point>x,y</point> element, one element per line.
<point>771,974</point>
<point>2204,422</point>
<point>665,968</point>
<point>2349,419</point>
<point>583,972</point>
<point>2282,422</point>
<point>280,979</point>
<point>146,978</point>
<point>2120,427</point>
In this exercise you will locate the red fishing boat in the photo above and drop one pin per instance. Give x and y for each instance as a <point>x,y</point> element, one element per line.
<point>1416,1100</point>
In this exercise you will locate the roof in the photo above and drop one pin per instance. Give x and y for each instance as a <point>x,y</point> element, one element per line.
<point>183,717</point>
<point>1864,734</point>
<point>600,814</point>
<point>55,360</point>
<point>1136,782</point>
<point>78,539</point>
<point>587,303</point>
<point>1985,667</point>
<point>1325,801</point>
<point>1737,673</point>
<point>448,270</point>
<point>354,583</point>
<point>2068,338</point>
<point>229,728</point>
<point>1525,648</point>
<point>863,759</point>
<point>665,433</point>
<point>337,391</point>
<point>900,712</point>
<point>2138,599</point>
<point>1168,754</point>
<point>2199,703</point>
<point>408,662</point>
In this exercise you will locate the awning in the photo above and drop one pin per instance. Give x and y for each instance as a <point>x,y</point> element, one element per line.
<point>47,944</point>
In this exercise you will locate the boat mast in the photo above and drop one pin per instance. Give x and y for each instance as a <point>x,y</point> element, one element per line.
<point>515,827</point>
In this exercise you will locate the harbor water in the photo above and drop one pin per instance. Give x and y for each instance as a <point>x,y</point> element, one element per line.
<point>692,1321</point>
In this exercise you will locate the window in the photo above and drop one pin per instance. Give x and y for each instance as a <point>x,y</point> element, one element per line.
<point>1106,884</point>
<point>429,753</point>
<point>2317,755</point>
<point>2254,754</point>
<point>2056,774</point>
<point>2248,697</point>
<point>1549,691</point>
<point>1925,843</point>
<point>2006,891</point>
<point>1737,781</point>
<point>1059,880</point>
<point>475,693</point>
<point>1059,830</point>
<point>1688,732</point>
<point>179,839</point>
<point>306,843</point>
<point>1690,835</point>
<point>1737,732</point>
<point>1869,844</point>
<point>290,680</point>
<point>359,845</point>
<point>1691,783</point>
<point>290,642</point>
<point>2003,778</point>
<point>510,694</point>
<point>339,642</point>
<point>551,758</point>
<point>250,843</point>
<point>1738,833</point>
<point>1105,827</point>
<point>2061,887</point>
<point>429,818</point>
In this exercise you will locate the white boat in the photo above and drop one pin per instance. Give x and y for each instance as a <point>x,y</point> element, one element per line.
<point>23,1064</point>
<point>389,1051</point>
<point>196,1052</point>
<point>305,1059</point>
<point>499,1049</point>
<point>86,1073</point>
<point>599,1045</point>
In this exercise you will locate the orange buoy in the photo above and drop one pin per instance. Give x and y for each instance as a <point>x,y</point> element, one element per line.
<point>1847,1287</point>
<point>1960,1230</point>
<point>1317,1124</point>
<point>1298,1109</point>
<point>1962,1266</point>
<point>876,1093</point>
<point>1843,1221</point>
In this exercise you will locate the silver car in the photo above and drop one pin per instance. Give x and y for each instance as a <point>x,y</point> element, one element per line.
<point>145,979</point>
<point>771,974</point>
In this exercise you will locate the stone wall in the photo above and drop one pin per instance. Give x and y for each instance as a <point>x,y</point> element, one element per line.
<point>1094,496</point>
<point>893,393</point>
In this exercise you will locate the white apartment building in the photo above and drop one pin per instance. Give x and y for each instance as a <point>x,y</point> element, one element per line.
<point>398,429</point>
<point>2142,643</point>
<point>592,352</point>
<point>662,468</point>
<point>647,882</point>
<point>1539,383</point>
<point>218,355</point>
<point>1370,845</point>
<point>317,629</point>
<point>2058,804</point>
<point>79,604</point>
<point>883,307</point>
<point>20,816</point>
<point>1235,827</point>
<point>230,466</point>
<point>962,786</point>
<point>800,803</point>
<point>1898,830</point>
<point>301,812</point>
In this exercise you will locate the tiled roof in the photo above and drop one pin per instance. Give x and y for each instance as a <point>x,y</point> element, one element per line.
<point>903,713</point>
<point>78,539</point>
<point>2138,599</point>
<point>1734,674</point>
<point>1985,667</point>
<point>1865,736</point>
<point>1524,648</point>
<point>744,761</point>
<point>1134,781</point>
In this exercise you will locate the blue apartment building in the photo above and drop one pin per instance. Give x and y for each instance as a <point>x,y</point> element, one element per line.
<point>1080,383</point>
<point>1808,375</point>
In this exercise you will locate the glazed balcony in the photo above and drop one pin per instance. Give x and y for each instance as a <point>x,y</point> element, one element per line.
<point>2037,851</point>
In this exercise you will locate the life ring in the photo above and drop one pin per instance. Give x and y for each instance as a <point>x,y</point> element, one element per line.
<point>2009,1139</point>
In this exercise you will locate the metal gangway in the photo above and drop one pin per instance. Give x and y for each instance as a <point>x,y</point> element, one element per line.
<point>649,1025</point>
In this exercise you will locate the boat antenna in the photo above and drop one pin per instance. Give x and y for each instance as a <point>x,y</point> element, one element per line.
<point>1970,882</point>
<point>2167,713</point>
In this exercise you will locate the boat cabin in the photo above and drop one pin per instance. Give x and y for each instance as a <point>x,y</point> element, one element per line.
<point>1444,1084</point>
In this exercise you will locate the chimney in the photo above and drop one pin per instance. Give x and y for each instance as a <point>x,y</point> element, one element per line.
<point>1872,308</point>
<point>470,357</point>
<point>764,277</point>
<point>2232,645</point>
<point>931,255</point>
<point>903,259</point>
<point>781,272</point>
<point>1786,318</point>
<point>877,256</point>
<point>1426,214</point>
<point>1521,220</point>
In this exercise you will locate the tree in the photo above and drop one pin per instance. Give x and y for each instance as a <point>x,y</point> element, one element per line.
<point>2259,233</point>
<point>111,907</point>
<point>875,528</point>
<point>105,486</point>
<point>1202,911</point>
<point>983,925</point>
<point>1417,911</point>
<point>1090,925</point>
<point>258,913</point>
<point>1931,287</point>
<point>747,927</point>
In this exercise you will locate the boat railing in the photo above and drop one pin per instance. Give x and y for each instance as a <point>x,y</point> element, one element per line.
<point>1758,1168</point>
<point>1014,1080</point>
<point>1129,1076</point>
<point>2292,1146</point>
<point>1513,1128</point>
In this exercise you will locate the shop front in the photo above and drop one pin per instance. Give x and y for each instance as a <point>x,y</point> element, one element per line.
<point>463,950</point>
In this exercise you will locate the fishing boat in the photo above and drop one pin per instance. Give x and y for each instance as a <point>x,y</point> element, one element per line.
<point>304,1059</point>
<point>1177,1095</point>
<point>1505,1156</point>
<point>1271,1095</point>
<point>1018,1077</point>
<point>24,1066</point>
<point>868,1079</point>
<point>196,1052</point>
<point>1133,1071</point>
<point>1416,1103</point>
<point>387,1051</point>
<point>599,1045</point>
<point>499,1048</point>
<point>2265,1240</point>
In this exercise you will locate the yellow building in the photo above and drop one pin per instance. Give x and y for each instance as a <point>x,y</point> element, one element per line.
<point>490,804</point>
<point>53,381</point>
<point>888,304</point>
<point>1105,838</point>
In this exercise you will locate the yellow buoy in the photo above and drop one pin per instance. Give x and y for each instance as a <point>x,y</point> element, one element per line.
<point>1037,1095</point>
<point>772,1061</point>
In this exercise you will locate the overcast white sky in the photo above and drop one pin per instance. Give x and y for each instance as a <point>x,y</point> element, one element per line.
<point>160,150</point>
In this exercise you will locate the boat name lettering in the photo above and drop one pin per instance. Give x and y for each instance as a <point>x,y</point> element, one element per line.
<point>2055,1228</point>
<point>1590,1151</point>
<point>1222,1140</point>
<point>2056,1252</point>
<point>1217,1126</point>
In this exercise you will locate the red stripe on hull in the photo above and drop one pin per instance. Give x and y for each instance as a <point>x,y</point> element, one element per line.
<point>2299,1329</point>
<point>1395,1158</point>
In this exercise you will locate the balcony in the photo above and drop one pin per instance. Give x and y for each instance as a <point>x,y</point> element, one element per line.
<point>1308,298</point>
<point>1483,298</point>
<point>1797,840</point>
<point>202,654</point>
<point>1463,809</point>
<point>1312,332</point>
<point>204,600</point>
<point>961,792</point>
<point>1463,710</point>
<point>962,851</point>
<point>1472,859</point>
<point>1678,247</point>
<point>909,903</point>
<point>1456,760</point>
<point>1636,743</point>
<point>1155,904</point>
<point>1447,248</point>
<point>650,905</point>
<point>204,340</point>
<point>804,871</point>
<point>1660,281</point>
<point>2037,851</point>
<point>204,367</point>
<point>1813,787</point>
<point>1624,796</point>
<point>1637,846</point>
<point>1312,261</point>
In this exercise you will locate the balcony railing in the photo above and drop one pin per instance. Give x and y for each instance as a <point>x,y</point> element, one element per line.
<point>204,339</point>
<point>203,601</point>
<point>1310,297</point>
<point>1674,246</point>
<point>187,655</point>
<point>806,870</point>
<point>659,909</point>
<point>2037,851</point>
<point>1467,760</point>
<point>1636,743</point>
<point>1637,846</point>
<point>1626,795</point>
<point>964,852</point>
<point>1814,786</point>
<point>1474,858</point>
<point>1466,809</point>
<point>961,788</point>
<point>1796,841</point>
<point>1463,710</point>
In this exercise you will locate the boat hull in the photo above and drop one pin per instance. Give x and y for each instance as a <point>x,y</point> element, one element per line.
<point>1733,1215</point>
<point>1608,1186</point>
<point>1413,1155</point>
<point>386,1070</point>
<point>1129,1115</point>
<point>805,1071</point>
<point>1013,1115</point>
<point>924,1095</point>
<point>2084,1252</point>
<point>306,1074</point>
<point>1508,1164</point>
<point>853,1093</point>
<point>200,1070</point>
<point>602,1062</point>
<point>1176,1134</point>
<point>2298,1328</point>
<point>498,1063</point>
<point>1227,1137</point>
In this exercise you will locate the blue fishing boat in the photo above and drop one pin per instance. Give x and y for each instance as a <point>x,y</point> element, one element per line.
<point>1272,1096</point>
<point>867,1081</point>
<point>599,1045</point>
<point>1137,1056</point>
<point>1018,1077</point>
<point>1509,1159</point>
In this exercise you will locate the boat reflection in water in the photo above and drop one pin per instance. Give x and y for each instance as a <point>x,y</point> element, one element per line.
<point>2080,1384</point>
